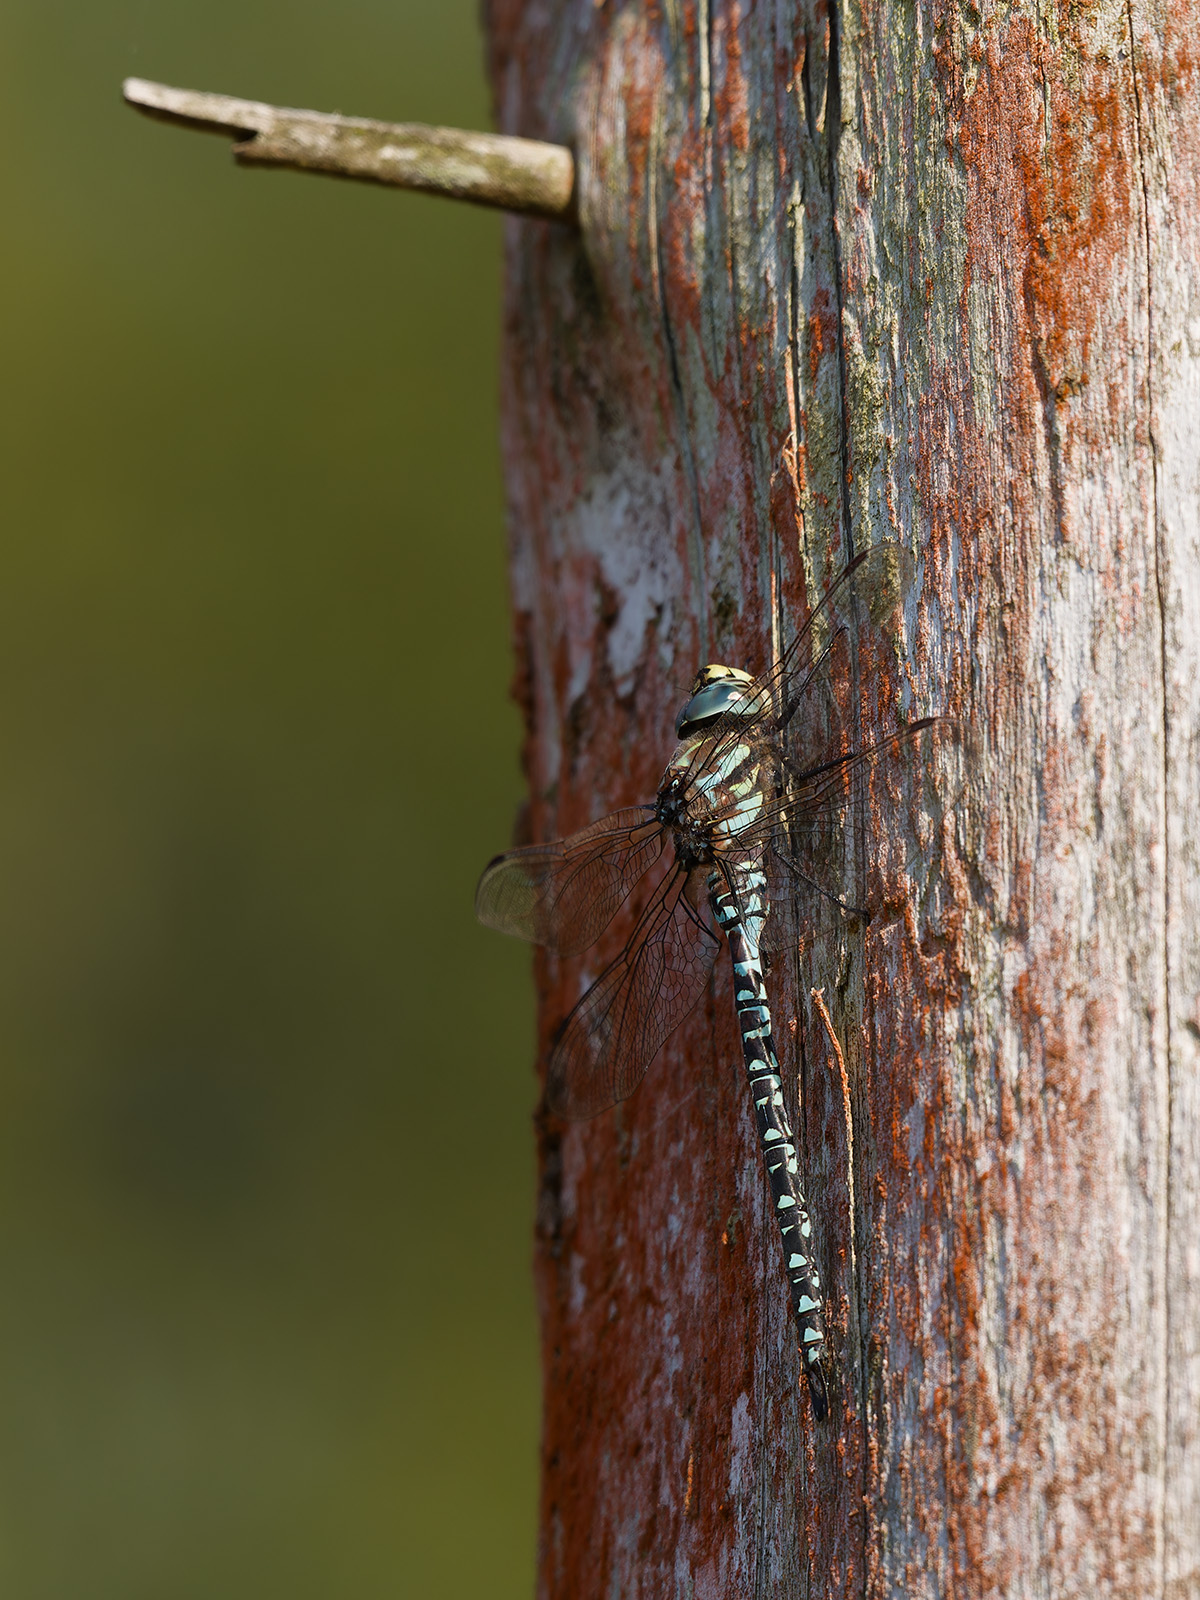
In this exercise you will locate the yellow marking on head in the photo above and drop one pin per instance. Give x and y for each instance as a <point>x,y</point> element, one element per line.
<point>716,673</point>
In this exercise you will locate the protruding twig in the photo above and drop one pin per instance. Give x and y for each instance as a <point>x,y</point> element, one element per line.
<point>522,175</point>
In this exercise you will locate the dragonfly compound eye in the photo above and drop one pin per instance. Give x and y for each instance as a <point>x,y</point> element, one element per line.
<point>715,690</point>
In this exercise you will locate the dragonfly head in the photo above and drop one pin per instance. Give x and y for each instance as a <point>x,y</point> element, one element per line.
<point>715,689</point>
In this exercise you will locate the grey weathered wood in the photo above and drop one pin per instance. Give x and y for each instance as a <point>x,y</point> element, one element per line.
<point>522,175</point>
<point>1169,173</point>
<point>924,272</point>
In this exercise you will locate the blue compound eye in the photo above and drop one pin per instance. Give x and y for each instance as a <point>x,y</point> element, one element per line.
<point>713,700</point>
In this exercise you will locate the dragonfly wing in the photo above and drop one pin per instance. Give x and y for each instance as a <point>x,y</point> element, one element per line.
<point>862,611</point>
<point>563,895</point>
<point>817,800</point>
<point>807,905</point>
<point>810,839</point>
<point>864,603</point>
<point>623,1021</point>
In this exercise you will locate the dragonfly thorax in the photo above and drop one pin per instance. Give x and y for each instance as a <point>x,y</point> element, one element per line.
<point>709,796</point>
<point>675,808</point>
<point>693,845</point>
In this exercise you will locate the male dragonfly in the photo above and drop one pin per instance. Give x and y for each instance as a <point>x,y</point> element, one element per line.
<point>751,809</point>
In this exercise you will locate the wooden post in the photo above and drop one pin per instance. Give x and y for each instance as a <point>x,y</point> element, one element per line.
<point>928,273</point>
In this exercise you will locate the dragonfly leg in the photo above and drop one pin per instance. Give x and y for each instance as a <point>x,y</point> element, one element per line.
<point>741,925</point>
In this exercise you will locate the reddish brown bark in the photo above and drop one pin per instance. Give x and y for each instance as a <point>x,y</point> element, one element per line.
<point>931,274</point>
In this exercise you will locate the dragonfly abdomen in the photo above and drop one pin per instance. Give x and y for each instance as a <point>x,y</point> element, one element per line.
<point>742,924</point>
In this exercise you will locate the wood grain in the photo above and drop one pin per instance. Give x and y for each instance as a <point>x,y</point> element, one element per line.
<point>930,273</point>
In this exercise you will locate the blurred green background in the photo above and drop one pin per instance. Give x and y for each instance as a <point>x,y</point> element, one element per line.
<point>266,1167</point>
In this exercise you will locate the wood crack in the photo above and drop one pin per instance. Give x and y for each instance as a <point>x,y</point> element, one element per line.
<point>1160,587</point>
<point>696,531</point>
<point>833,136</point>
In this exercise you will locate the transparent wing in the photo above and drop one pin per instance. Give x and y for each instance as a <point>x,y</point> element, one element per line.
<point>623,1021</point>
<point>817,882</point>
<point>795,764</point>
<point>808,905</point>
<point>807,703</point>
<point>816,802</point>
<point>563,895</point>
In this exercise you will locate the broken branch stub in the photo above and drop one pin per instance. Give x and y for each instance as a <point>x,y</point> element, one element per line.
<point>526,176</point>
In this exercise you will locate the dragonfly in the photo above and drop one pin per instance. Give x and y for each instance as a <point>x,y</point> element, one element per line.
<point>753,810</point>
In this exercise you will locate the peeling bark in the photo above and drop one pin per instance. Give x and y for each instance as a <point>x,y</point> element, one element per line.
<point>926,273</point>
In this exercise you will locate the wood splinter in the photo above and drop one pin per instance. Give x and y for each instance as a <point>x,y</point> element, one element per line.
<point>525,176</point>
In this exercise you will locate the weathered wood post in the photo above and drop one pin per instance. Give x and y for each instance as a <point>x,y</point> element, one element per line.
<point>928,273</point>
